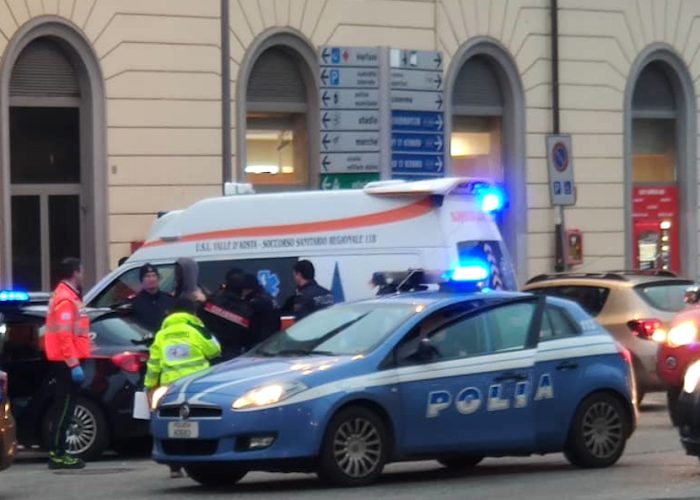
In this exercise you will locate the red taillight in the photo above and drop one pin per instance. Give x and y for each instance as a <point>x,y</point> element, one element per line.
<point>645,328</point>
<point>130,362</point>
<point>624,353</point>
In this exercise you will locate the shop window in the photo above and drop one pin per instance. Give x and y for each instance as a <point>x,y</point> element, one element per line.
<point>654,150</point>
<point>476,147</point>
<point>276,148</point>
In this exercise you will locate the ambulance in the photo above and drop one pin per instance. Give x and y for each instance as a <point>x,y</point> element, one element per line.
<point>350,236</point>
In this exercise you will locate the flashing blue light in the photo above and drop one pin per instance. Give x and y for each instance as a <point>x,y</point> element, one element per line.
<point>491,199</point>
<point>470,272</point>
<point>13,296</point>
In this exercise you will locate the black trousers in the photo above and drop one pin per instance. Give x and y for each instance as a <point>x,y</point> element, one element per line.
<point>65,396</point>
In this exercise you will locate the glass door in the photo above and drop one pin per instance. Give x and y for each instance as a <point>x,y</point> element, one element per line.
<point>45,230</point>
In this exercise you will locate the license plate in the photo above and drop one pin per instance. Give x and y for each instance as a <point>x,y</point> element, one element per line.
<point>183,430</point>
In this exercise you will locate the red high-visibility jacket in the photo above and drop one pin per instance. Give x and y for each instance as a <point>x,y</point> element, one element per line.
<point>67,334</point>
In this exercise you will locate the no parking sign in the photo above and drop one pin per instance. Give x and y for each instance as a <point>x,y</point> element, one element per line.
<point>561,170</point>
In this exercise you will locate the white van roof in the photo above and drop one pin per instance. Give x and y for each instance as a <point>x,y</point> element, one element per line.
<point>256,210</point>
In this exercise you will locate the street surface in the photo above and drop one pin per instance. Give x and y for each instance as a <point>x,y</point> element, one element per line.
<point>653,467</point>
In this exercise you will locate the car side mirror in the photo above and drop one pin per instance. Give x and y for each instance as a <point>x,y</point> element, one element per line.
<point>692,295</point>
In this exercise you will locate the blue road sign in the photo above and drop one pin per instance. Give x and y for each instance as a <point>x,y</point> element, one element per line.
<point>411,143</point>
<point>417,121</point>
<point>402,163</point>
<point>557,187</point>
<point>335,55</point>
<point>567,188</point>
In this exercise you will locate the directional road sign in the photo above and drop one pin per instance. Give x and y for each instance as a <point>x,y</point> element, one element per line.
<point>349,162</point>
<point>350,121</point>
<point>350,141</point>
<point>349,56</point>
<point>350,99</point>
<point>417,101</point>
<point>417,121</point>
<point>346,181</point>
<point>419,59</point>
<point>350,77</point>
<point>414,79</point>
<point>421,143</point>
<point>417,164</point>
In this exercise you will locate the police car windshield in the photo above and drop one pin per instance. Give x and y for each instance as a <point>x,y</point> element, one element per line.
<point>342,330</point>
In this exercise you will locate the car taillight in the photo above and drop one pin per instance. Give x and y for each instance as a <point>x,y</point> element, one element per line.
<point>130,362</point>
<point>624,353</point>
<point>649,329</point>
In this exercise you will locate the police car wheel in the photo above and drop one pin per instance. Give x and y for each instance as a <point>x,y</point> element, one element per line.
<point>460,463</point>
<point>598,433</point>
<point>215,476</point>
<point>672,405</point>
<point>355,448</point>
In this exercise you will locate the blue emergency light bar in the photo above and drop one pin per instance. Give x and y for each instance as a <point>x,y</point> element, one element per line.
<point>470,272</point>
<point>13,296</point>
<point>490,198</point>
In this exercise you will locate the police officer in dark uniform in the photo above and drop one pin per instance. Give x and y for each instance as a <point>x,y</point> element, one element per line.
<point>228,316</point>
<point>265,319</point>
<point>310,296</point>
<point>150,306</point>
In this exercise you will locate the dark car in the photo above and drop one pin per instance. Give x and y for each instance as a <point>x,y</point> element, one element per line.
<point>688,410</point>
<point>103,415</point>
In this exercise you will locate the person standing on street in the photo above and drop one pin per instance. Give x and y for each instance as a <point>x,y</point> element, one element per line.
<point>181,348</point>
<point>67,341</point>
<point>265,316</point>
<point>150,306</point>
<point>310,296</point>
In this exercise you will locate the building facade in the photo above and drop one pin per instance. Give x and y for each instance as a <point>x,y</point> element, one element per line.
<point>111,112</point>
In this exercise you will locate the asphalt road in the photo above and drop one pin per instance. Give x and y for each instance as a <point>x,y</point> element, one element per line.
<point>653,467</point>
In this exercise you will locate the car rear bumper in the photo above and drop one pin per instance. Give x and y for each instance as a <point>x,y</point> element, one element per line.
<point>688,413</point>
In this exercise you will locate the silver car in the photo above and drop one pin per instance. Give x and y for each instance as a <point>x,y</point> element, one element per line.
<point>635,306</point>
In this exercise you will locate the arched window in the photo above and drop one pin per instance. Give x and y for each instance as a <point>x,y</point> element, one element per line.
<point>280,109</point>
<point>52,155</point>
<point>660,173</point>
<point>487,134</point>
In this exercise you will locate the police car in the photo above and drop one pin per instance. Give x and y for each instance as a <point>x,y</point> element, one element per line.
<point>451,376</point>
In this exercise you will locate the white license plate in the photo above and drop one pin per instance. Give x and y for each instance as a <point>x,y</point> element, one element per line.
<point>183,430</point>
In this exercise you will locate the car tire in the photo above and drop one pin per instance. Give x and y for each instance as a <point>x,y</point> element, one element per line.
<point>460,463</point>
<point>89,434</point>
<point>216,476</point>
<point>598,432</point>
<point>355,448</point>
<point>672,405</point>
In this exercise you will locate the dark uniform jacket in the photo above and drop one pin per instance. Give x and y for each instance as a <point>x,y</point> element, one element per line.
<point>310,298</point>
<point>229,318</point>
<point>150,309</point>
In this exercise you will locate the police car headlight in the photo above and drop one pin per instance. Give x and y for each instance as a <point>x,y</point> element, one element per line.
<point>268,395</point>
<point>683,334</point>
<point>692,377</point>
<point>158,395</point>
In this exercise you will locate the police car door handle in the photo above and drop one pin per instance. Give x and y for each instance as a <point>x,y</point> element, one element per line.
<point>510,376</point>
<point>567,365</point>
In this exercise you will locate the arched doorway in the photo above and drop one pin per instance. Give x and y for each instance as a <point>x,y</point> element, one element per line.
<point>52,137</point>
<point>278,112</point>
<point>660,172</point>
<point>487,132</point>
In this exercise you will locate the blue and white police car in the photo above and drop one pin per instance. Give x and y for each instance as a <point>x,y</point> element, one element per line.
<point>454,377</point>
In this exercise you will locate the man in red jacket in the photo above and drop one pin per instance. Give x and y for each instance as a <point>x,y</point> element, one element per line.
<point>67,341</point>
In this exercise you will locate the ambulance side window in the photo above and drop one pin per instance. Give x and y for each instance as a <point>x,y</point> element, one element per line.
<point>127,285</point>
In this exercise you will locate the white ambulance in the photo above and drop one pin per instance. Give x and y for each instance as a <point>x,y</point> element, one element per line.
<point>349,236</point>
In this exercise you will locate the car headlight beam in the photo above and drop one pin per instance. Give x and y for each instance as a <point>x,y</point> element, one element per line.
<point>692,377</point>
<point>158,395</point>
<point>682,334</point>
<point>267,395</point>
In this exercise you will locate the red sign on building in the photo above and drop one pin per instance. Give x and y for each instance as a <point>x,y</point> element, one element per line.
<point>656,227</point>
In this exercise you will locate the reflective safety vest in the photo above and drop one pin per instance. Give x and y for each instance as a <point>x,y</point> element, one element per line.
<point>67,334</point>
<point>181,347</point>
